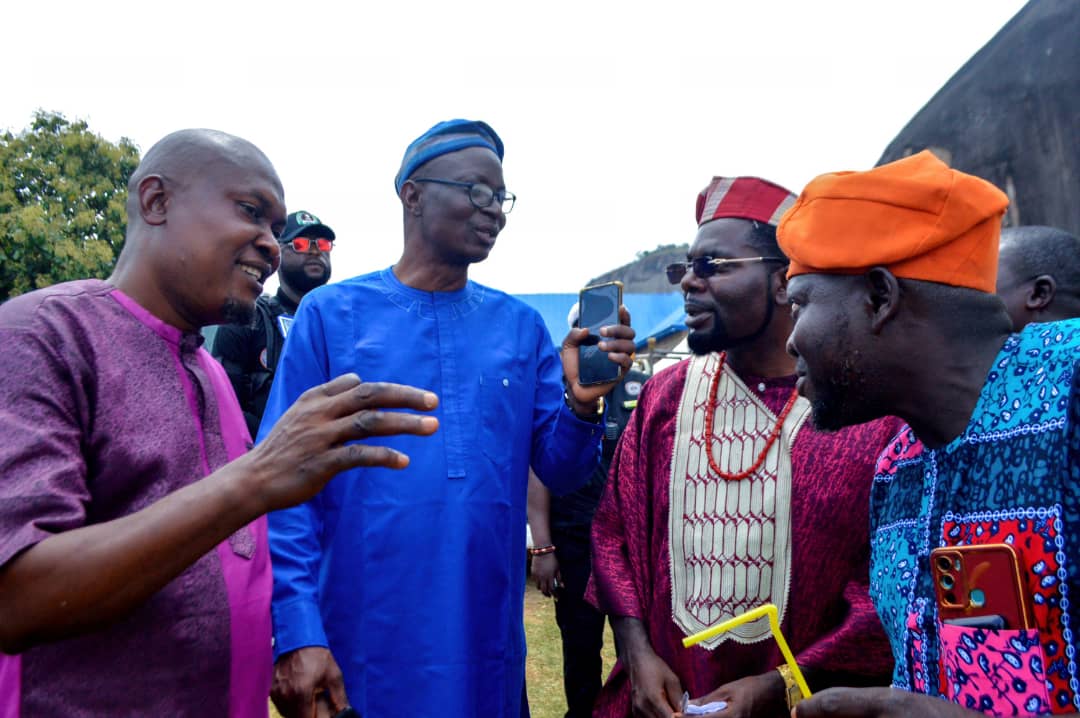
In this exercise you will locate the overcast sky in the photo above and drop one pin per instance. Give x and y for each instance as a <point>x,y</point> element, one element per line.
<point>614,114</point>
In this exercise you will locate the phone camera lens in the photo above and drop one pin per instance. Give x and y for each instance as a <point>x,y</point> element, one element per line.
<point>944,563</point>
<point>947,582</point>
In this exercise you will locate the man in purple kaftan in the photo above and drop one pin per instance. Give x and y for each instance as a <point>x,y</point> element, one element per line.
<point>134,570</point>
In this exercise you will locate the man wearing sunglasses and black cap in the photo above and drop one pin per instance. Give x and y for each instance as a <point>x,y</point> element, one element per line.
<point>722,497</point>
<point>250,353</point>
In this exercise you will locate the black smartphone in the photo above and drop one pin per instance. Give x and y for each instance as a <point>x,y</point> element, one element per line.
<point>598,306</point>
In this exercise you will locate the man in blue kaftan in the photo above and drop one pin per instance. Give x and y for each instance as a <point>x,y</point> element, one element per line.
<point>413,583</point>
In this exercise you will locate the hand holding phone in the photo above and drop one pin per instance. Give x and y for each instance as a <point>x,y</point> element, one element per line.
<point>598,307</point>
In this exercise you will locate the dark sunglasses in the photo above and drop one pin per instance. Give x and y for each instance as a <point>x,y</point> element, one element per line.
<point>303,244</point>
<point>705,267</point>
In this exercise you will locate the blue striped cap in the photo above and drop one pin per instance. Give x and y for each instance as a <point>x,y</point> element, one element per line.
<point>444,138</point>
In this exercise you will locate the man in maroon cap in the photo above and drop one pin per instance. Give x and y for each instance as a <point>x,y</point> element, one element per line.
<point>722,497</point>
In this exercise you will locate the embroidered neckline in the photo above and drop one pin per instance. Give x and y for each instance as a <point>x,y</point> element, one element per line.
<point>710,413</point>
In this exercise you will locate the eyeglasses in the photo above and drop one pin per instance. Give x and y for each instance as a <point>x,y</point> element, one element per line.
<point>480,194</point>
<point>705,267</point>
<point>303,244</point>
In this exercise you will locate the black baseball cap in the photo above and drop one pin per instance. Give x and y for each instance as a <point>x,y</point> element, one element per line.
<point>302,222</point>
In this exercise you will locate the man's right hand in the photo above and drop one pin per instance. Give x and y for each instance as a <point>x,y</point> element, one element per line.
<point>545,571</point>
<point>657,692</point>
<point>304,674</point>
<point>307,446</point>
<point>82,579</point>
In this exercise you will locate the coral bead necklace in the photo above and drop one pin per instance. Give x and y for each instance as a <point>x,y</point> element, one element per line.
<point>710,412</point>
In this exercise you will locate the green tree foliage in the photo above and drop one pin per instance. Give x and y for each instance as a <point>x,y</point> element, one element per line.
<point>62,195</point>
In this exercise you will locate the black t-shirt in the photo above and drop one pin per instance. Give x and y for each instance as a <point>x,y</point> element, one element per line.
<point>250,354</point>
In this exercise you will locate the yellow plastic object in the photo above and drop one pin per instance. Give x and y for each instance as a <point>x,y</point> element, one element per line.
<point>769,610</point>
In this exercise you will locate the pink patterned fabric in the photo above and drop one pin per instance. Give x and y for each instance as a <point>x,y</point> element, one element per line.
<point>1000,673</point>
<point>831,623</point>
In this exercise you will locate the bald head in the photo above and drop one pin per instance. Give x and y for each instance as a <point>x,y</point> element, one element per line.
<point>186,155</point>
<point>204,212</point>
<point>1039,274</point>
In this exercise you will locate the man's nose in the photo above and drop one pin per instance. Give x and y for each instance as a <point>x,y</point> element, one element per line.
<point>690,282</point>
<point>790,346</point>
<point>495,211</point>
<point>269,248</point>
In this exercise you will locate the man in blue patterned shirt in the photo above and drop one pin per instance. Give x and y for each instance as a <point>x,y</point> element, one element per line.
<point>892,279</point>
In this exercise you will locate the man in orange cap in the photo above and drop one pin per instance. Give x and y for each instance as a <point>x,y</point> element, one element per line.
<point>722,497</point>
<point>891,285</point>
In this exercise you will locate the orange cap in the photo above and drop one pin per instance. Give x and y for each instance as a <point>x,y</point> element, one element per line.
<point>915,216</point>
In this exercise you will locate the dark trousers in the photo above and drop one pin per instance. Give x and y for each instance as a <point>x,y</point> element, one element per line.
<point>581,625</point>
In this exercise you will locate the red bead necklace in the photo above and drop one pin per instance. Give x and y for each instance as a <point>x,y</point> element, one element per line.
<point>710,412</point>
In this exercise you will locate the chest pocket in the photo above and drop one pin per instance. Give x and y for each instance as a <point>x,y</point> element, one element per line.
<point>504,413</point>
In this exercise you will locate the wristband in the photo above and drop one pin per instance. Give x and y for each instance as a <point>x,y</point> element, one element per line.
<point>541,550</point>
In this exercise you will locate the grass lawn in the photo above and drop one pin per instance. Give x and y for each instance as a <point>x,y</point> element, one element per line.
<point>543,668</point>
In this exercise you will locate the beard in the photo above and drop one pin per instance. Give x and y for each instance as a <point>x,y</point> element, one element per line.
<point>715,339</point>
<point>237,312</point>
<point>718,338</point>
<point>842,400</point>
<point>302,282</point>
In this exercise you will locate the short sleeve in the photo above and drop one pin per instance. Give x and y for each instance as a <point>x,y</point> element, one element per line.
<point>43,474</point>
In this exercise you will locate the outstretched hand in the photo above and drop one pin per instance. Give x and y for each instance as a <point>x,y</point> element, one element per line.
<point>309,443</point>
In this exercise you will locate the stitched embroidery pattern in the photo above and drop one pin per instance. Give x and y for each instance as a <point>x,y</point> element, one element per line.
<point>730,540</point>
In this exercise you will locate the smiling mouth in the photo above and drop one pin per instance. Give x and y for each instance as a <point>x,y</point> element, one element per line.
<point>256,273</point>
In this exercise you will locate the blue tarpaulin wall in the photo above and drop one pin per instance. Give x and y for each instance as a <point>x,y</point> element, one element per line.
<point>652,315</point>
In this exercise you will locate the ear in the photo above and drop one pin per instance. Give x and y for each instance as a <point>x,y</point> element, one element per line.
<point>411,198</point>
<point>1041,293</point>
<point>779,286</point>
<point>153,199</point>
<point>882,297</point>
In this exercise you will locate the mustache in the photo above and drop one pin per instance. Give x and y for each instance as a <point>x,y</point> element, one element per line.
<point>691,304</point>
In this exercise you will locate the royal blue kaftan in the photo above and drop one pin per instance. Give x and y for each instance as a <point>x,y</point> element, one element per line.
<point>415,578</point>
